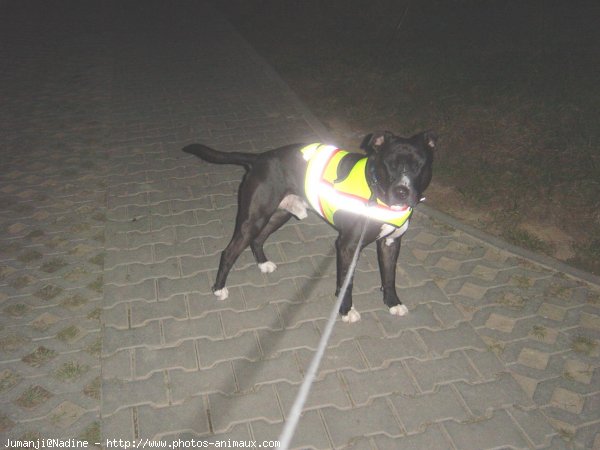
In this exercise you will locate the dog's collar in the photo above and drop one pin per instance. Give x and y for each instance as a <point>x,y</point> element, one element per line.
<point>373,182</point>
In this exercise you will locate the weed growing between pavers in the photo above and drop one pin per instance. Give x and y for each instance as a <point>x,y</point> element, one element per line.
<point>69,333</point>
<point>539,331</point>
<point>71,371</point>
<point>8,379</point>
<point>17,310</point>
<point>53,265</point>
<point>33,396</point>
<point>93,389</point>
<point>74,301</point>
<point>48,292</point>
<point>39,357</point>
<point>584,345</point>
<point>11,342</point>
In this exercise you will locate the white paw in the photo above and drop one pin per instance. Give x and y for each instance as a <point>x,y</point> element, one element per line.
<point>222,294</point>
<point>267,267</point>
<point>352,316</point>
<point>398,310</point>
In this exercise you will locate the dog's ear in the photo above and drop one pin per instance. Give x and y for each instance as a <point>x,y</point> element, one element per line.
<point>429,138</point>
<point>374,141</point>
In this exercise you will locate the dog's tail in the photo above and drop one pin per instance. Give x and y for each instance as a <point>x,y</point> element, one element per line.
<point>217,157</point>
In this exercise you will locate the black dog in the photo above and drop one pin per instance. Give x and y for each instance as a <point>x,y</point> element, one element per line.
<point>347,189</point>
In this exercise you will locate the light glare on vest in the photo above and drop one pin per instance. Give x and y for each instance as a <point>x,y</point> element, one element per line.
<point>326,196</point>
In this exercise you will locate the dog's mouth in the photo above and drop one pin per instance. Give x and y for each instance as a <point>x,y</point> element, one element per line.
<point>404,206</point>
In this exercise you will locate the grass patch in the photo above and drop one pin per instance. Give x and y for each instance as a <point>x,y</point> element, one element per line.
<point>32,397</point>
<point>53,265</point>
<point>8,379</point>
<point>21,281</point>
<point>521,281</point>
<point>48,292</point>
<point>17,310</point>
<point>69,333</point>
<point>512,300</point>
<point>95,348</point>
<point>70,371</point>
<point>35,234</point>
<point>39,357</point>
<point>98,259</point>
<point>91,434</point>
<point>522,238</point>
<point>92,390</point>
<point>97,285</point>
<point>99,216</point>
<point>539,331</point>
<point>584,345</point>
<point>12,342</point>
<point>74,301</point>
<point>29,256</point>
<point>95,314</point>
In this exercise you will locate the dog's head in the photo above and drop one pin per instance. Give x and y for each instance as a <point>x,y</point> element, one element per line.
<point>399,169</point>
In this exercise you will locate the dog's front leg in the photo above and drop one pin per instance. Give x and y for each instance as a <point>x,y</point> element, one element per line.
<point>345,247</point>
<point>387,256</point>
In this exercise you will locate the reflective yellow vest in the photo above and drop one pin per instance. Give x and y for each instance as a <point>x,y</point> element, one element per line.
<point>326,195</point>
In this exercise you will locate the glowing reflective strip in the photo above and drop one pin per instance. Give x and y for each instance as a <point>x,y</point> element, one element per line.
<point>316,166</point>
<point>357,206</point>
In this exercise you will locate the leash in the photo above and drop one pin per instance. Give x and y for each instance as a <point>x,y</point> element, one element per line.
<point>294,415</point>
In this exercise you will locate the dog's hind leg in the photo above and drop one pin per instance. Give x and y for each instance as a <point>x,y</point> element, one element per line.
<point>254,212</point>
<point>277,220</point>
<point>242,236</point>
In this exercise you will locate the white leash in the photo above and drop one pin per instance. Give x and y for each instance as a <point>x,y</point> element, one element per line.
<point>294,415</point>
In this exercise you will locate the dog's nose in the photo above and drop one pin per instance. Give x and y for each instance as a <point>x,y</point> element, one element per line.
<point>401,192</point>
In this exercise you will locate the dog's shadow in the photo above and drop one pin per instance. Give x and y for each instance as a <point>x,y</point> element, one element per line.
<point>289,312</point>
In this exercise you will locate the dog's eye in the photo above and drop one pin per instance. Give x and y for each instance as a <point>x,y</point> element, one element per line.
<point>393,165</point>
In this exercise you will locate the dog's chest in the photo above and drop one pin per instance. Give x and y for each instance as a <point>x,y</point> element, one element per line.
<point>390,232</point>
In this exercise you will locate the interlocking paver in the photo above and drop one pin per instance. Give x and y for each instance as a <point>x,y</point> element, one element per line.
<point>237,322</point>
<point>418,411</point>
<point>117,394</point>
<point>180,356</point>
<point>346,355</point>
<point>190,416</point>
<point>276,341</point>
<point>284,367</point>
<point>346,425</point>
<point>244,346</point>
<point>328,391</point>
<point>381,351</point>
<point>145,290</point>
<point>117,339</point>
<point>484,397</point>
<point>432,372</point>
<point>498,431</point>
<point>104,217</point>
<point>432,438</point>
<point>218,378</point>
<point>442,341</point>
<point>311,432</point>
<point>364,385</point>
<point>227,410</point>
<point>172,308</point>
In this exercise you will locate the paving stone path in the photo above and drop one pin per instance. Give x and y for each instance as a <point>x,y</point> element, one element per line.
<point>110,237</point>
